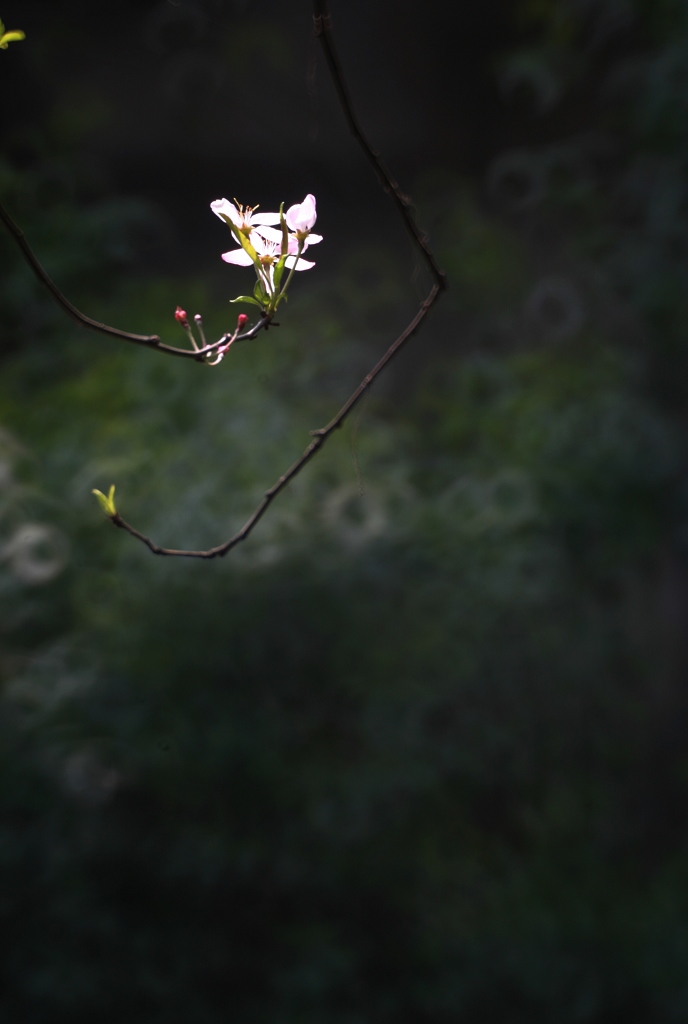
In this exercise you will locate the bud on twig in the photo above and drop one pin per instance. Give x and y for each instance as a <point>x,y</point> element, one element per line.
<point>242,320</point>
<point>180,317</point>
<point>107,503</point>
<point>15,35</point>
<point>198,320</point>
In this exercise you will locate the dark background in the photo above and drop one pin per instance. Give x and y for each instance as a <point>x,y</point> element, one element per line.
<point>416,751</point>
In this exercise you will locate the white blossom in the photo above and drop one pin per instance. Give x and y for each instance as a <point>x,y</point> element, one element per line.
<point>243,218</point>
<point>301,217</point>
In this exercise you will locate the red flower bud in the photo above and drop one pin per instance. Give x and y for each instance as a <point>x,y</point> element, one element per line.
<point>180,317</point>
<point>242,319</point>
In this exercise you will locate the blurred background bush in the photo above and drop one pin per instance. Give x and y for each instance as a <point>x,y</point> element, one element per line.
<point>416,751</point>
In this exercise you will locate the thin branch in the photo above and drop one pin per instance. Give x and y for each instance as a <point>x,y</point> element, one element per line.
<point>322,23</point>
<point>323,31</point>
<point>319,438</point>
<point>147,340</point>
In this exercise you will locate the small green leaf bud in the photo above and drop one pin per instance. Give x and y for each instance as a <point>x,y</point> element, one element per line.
<point>107,503</point>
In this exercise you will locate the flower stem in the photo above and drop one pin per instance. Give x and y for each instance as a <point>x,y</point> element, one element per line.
<point>291,273</point>
<point>190,336</point>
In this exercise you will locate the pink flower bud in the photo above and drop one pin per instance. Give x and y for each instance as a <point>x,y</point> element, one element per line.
<point>180,317</point>
<point>242,319</point>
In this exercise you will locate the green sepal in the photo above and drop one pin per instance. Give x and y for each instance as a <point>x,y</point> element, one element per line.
<point>247,298</point>
<point>279,270</point>
<point>107,504</point>
<point>247,247</point>
<point>285,232</point>
<point>259,292</point>
<point>230,224</point>
<point>240,237</point>
<point>284,248</point>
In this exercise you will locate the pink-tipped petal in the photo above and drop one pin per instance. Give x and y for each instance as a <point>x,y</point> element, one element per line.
<point>238,256</point>
<point>291,217</point>
<point>302,216</point>
<point>308,210</point>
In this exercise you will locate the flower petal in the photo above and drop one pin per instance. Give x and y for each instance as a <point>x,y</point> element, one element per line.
<point>271,234</point>
<point>259,244</point>
<point>261,235</point>
<point>238,256</point>
<point>302,216</point>
<point>308,210</point>
<point>223,209</point>
<point>265,218</point>
<point>301,264</point>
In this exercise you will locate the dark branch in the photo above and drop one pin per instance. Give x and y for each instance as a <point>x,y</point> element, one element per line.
<point>323,31</point>
<point>319,438</point>
<point>147,340</point>
<point>322,23</point>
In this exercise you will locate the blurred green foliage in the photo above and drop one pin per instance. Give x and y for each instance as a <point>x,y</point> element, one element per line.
<point>416,751</point>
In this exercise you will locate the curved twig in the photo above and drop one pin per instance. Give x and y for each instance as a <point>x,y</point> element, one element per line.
<point>319,438</point>
<point>322,23</point>
<point>147,340</point>
<point>323,31</point>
